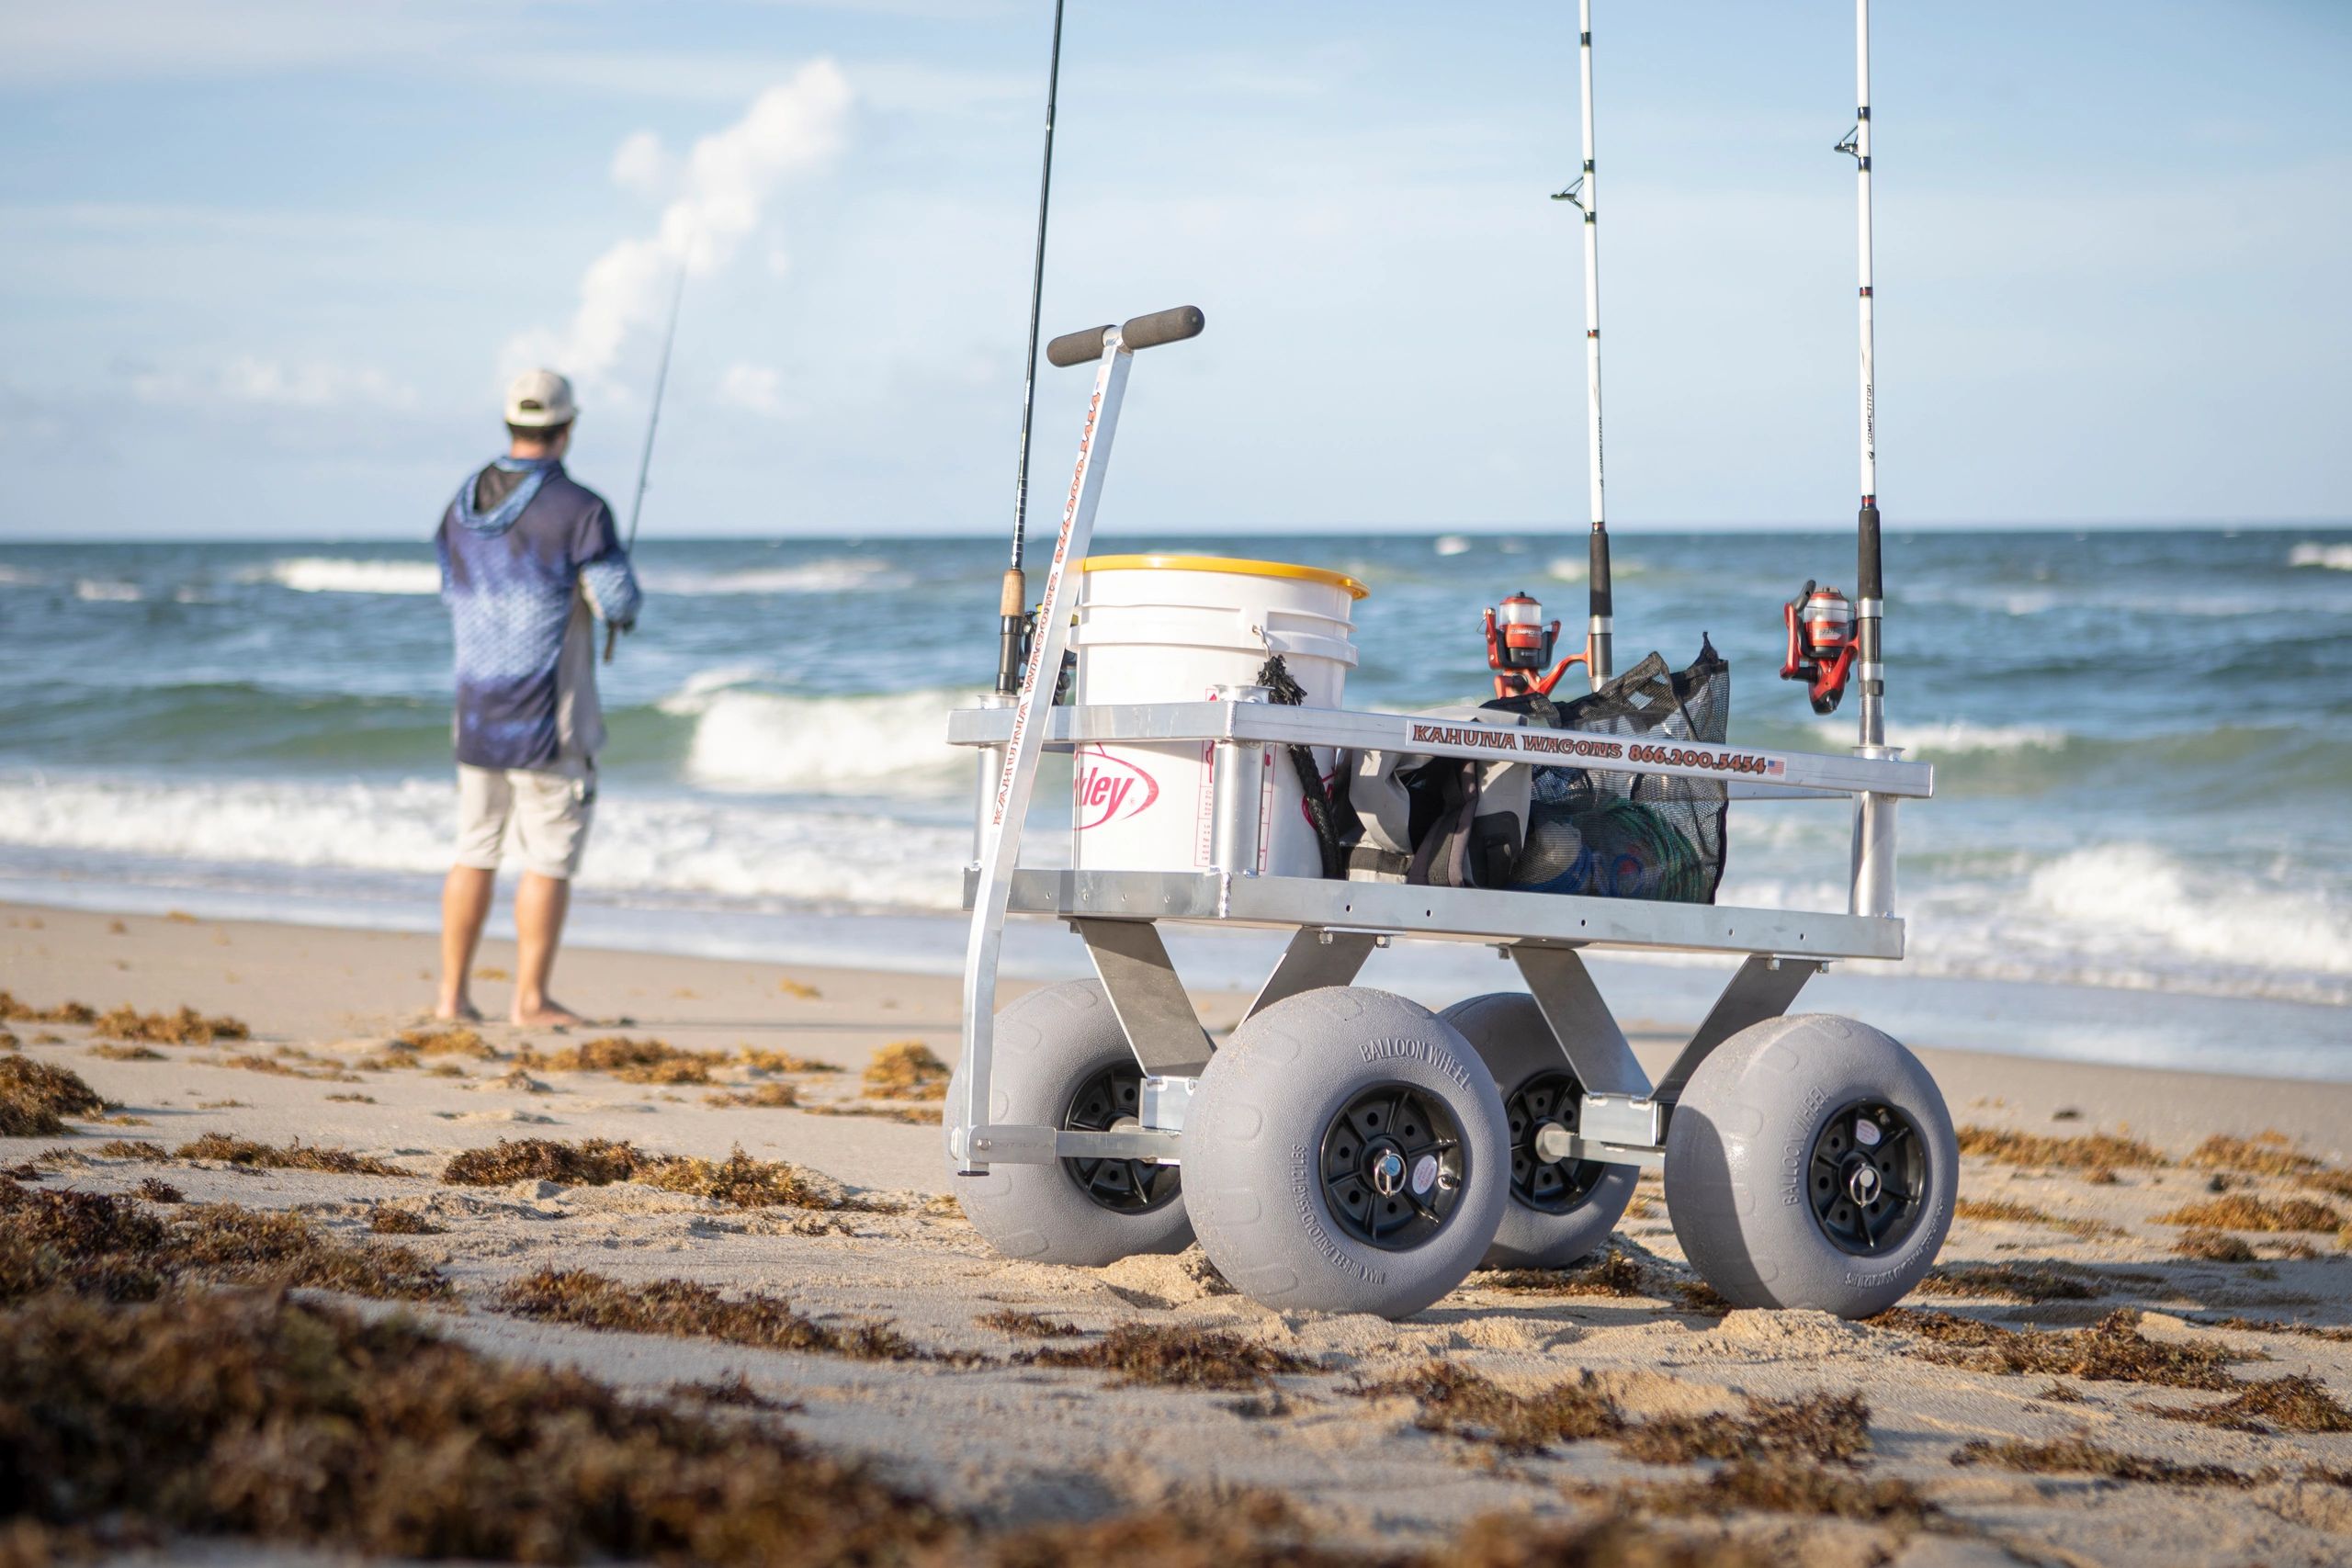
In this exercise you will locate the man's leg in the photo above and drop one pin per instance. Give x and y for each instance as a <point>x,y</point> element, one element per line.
<point>484,801</point>
<point>552,812</point>
<point>540,904</point>
<point>465,905</point>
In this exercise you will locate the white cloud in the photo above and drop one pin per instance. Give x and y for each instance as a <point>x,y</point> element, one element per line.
<point>725,186</point>
<point>270,383</point>
<point>642,165</point>
<point>756,388</point>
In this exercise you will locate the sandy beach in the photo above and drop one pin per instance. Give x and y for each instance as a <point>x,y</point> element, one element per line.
<point>2140,1255</point>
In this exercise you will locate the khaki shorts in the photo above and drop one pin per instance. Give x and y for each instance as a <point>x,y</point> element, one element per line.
<point>547,814</point>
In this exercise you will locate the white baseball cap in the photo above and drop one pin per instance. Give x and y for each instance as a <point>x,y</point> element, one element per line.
<point>540,400</point>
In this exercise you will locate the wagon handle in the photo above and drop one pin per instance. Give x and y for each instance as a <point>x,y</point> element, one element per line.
<point>1085,345</point>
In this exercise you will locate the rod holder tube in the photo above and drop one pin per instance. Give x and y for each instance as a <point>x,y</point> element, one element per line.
<point>1872,892</point>
<point>992,768</point>
<point>1237,793</point>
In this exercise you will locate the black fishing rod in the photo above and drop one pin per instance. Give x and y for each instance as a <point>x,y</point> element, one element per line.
<point>652,424</point>
<point>1014,633</point>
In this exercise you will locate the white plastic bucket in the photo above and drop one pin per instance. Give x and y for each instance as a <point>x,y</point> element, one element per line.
<point>1173,629</point>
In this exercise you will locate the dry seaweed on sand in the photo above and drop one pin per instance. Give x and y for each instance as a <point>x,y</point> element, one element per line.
<point>2240,1212</point>
<point>141,1150</point>
<point>155,1190</point>
<point>385,1219</point>
<point>1453,1399</point>
<point>740,1180</point>
<point>2090,1151</point>
<point>36,1098</point>
<point>906,1069</point>
<point>1614,1273</point>
<point>445,1039</point>
<point>2211,1246</point>
<point>2268,1153</point>
<point>14,1011</point>
<point>2008,1211</point>
<point>2111,1350</point>
<point>2007,1282</point>
<point>764,1097</point>
<point>1173,1356</point>
<point>686,1309</point>
<point>184,1027</point>
<point>913,1115</point>
<point>1814,1428</point>
<point>1785,1485</point>
<point>632,1061</point>
<point>285,1063</point>
<point>2081,1456</point>
<point>761,1059</point>
<point>1027,1324</point>
<point>296,1155</point>
<point>182,1416</point>
<point>592,1162</point>
<point>93,1244</point>
<point>2291,1404</point>
<point>106,1052</point>
<point>54,1088</point>
<point>2274,1326</point>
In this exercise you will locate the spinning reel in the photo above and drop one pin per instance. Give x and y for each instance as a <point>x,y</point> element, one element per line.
<point>1519,643</point>
<point>1820,623</point>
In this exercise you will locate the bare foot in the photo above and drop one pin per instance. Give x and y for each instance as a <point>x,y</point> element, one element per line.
<point>458,1012</point>
<point>546,1015</point>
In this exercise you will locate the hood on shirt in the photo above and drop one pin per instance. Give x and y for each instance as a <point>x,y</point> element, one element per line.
<point>492,498</point>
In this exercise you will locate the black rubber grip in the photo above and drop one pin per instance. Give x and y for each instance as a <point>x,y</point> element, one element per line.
<point>1163,326</point>
<point>1077,349</point>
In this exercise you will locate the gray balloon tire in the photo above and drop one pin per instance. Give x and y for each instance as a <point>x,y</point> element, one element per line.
<point>1507,1031</point>
<point>1738,1156</point>
<point>1254,1139</point>
<point>1048,1044</point>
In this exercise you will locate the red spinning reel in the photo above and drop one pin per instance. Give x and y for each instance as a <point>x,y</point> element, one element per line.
<point>1519,643</point>
<point>1820,623</point>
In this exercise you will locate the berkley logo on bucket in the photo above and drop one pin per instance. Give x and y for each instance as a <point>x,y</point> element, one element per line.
<point>1110,789</point>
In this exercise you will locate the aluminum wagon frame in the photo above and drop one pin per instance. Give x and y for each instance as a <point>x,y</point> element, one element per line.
<point>1834,1118</point>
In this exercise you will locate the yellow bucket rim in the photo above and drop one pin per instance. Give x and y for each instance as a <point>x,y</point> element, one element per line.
<point>1228,564</point>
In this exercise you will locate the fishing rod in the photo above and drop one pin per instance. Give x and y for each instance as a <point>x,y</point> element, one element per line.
<point>1014,601</point>
<point>1586,194</point>
<point>652,424</point>
<point>1870,590</point>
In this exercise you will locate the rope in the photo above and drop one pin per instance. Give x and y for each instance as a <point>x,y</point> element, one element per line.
<point>1286,690</point>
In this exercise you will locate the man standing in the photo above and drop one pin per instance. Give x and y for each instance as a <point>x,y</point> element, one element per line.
<point>529,561</point>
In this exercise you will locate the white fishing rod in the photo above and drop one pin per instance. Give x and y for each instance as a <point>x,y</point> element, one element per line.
<point>1873,879</point>
<point>1870,590</point>
<point>652,424</point>
<point>1586,194</point>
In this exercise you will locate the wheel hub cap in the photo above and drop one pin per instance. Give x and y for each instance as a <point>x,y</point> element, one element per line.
<point>1868,1179</point>
<point>1549,1186</point>
<point>1393,1166</point>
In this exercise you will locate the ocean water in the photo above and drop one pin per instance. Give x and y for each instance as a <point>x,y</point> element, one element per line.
<point>2143,741</point>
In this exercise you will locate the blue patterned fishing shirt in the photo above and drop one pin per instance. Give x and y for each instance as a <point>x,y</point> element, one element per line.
<point>529,561</point>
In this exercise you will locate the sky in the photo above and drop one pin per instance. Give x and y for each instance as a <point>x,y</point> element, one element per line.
<point>265,265</point>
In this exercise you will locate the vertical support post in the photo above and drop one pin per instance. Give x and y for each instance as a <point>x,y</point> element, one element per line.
<point>1236,791</point>
<point>1600,626</point>
<point>990,766</point>
<point>1009,803</point>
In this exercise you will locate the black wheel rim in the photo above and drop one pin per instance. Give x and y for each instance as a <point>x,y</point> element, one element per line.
<point>1125,1185</point>
<point>1868,1177</point>
<point>1393,1166</point>
<point>1553,1187</point>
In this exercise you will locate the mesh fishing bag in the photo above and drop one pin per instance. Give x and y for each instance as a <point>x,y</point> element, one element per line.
<point>1613,834</point>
